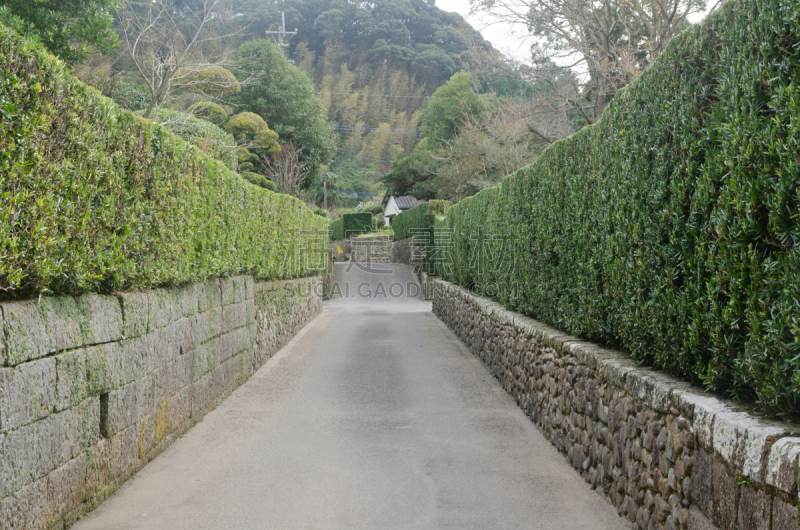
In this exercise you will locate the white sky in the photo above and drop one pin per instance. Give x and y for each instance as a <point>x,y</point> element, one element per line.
<point>504,37</point>
<point>509,39</point>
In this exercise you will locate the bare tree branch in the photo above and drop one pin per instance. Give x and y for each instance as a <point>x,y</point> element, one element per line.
<point>175,47</point>
<point>612,40</point>
<point>286,169</point>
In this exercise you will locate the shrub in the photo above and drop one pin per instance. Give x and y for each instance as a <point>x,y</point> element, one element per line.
<point>131,96</point>
<point>337,229</point>
<point>259,180</point>
<point>670,228</point>
<point>357,223</point>
<point>215,81</point>
<point>321,212</point>
<point>438,207</point>
<point>96,199</point>
<point>209,111</point>
<point>250,127</point>
<point>212,140</point>
<point>414,221</point>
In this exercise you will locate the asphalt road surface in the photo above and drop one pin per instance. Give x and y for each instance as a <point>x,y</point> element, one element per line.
<point>374,417</point>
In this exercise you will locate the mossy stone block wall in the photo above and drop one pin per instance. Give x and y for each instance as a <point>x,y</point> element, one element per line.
<point>92,388</point>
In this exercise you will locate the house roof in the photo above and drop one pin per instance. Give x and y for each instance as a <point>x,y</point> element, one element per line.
<point>406,202</point>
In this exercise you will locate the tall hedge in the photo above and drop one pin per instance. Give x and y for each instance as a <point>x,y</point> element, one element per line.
<point>337,229</point>
<point>94,198</point>
<point>671,227</point>
<point>357,223</point>
<point>422,217</point>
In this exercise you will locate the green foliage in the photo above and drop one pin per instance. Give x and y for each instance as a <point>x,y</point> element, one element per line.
<point>284,97</point>
<point>356,223</point>
<point>671,227</point>
<point>438,207</point>
<point>321,212</point>
<point>250,127</point>
<point>96,199</point>
<point>358,52</point>
<point>416,221</point>
<point>214,81</point>
<point>70,29</point>
<point>316,192</point>
<point>209,111</point>
<point>411,173</point>
<point>410,35</point>
<point>449,109</point>
<point>337,229</point>
<point>131,96</point>
<point>259,180</point>
<point>212,140</point>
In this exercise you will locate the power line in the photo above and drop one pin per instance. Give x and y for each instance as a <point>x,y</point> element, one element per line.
<point>345,128</point>
<point>374,95</point>
<point>358,194</point>
<point>365,157</point>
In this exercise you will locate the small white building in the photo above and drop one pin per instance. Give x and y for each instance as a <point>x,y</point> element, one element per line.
<point>392,206</point>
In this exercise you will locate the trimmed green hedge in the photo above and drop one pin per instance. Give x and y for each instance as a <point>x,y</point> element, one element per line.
<point>211,140</point>
<point>671,227</point>
<point>357,223</point>
<point>352,224</point>
<point>337,229</point>
<point>407,223</point>
<point>94,198</point>
<point>422,217</point>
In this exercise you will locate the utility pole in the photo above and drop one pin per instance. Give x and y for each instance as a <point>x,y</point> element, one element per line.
<point>325,190</point>
<point>283,33</point>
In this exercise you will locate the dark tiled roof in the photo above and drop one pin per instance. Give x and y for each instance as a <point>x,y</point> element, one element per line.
<point>407,202</point>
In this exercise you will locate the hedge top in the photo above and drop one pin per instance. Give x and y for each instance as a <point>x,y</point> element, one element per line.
<point>96,199</point>
<point>419,219</point>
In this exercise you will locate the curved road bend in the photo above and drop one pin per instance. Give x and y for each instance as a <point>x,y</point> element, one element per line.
<point>374,417</point>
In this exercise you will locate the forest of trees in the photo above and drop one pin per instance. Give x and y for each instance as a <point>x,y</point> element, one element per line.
<point>393,94</point>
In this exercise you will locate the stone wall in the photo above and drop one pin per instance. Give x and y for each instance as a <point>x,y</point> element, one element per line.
<point>92,388</point>
<point>665,454</point>
<point>409,251</point>
<point>340,250</point>
<point>376,249</point>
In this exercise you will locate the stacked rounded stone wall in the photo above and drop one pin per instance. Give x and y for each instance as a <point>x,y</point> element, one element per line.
<point>409,251</point>
<point>376,249</point>
<point>665,454</point>
<point>92,388</point>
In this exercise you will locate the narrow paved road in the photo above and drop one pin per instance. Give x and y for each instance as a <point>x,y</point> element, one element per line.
<point>373,417</point>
